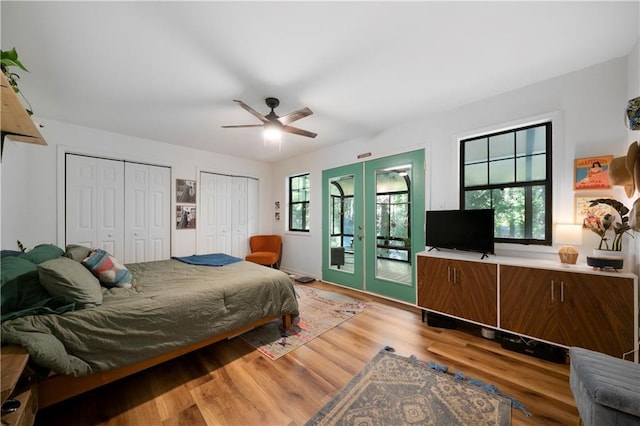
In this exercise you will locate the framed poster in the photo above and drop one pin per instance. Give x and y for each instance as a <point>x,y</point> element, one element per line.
<point>185,191</point>
<point>185,217</point>
<point>591,217</point>
<point>592,173</point>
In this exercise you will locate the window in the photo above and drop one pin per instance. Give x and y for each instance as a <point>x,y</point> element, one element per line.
<point>299,203</point>
<point>510,171</point>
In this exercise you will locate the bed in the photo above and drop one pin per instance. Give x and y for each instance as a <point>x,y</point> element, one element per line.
<point>171,308</point>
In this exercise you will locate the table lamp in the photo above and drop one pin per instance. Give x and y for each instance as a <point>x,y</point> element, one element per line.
<point>568,235</point>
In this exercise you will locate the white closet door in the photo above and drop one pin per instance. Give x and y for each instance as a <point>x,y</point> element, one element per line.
<point>148,203</point>
<point>206,221</point>
<point>228,214</point>
<point>252,209</point>
<point>239,216</point>
<point>94,207</point>
<point>214,217</point>
<point>160,213</point>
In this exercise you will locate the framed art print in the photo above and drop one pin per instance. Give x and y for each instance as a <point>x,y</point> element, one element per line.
<point>591,217</point>
<point>185,191</point>
<point>185,217</point>
<point>592,173</point>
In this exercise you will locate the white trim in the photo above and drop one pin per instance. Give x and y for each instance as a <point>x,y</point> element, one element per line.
<point>559,152</point>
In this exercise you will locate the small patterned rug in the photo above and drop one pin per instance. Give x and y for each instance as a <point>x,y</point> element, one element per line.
<point>394,390</point>
<point>320,311</point>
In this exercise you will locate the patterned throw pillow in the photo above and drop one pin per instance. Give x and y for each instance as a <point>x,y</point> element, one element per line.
<point>107,269</point>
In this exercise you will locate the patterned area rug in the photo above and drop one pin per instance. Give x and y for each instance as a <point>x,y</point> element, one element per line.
<point>393,390</point>
<point>320,311</point>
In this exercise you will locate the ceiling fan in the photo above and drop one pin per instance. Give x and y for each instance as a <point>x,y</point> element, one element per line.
<point>274,123</point>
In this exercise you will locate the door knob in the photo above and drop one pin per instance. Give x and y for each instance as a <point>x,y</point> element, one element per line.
<point>359,237</point>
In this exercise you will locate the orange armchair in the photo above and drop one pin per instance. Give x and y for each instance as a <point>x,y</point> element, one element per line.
<point>265,250</point>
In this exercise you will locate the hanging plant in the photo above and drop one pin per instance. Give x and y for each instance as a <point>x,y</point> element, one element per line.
<point>9,58</point>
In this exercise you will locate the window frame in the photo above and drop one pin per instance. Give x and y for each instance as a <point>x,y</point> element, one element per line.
<point>305,204</point>
<point>547,182</point>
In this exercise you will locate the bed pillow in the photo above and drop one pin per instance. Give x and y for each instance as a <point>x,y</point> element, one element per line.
<point>42,253</point>
<point>77,252</point>
<point>108,269</point>
<point>20,287</point>
<point>66,277</point>
<point>9,253</point>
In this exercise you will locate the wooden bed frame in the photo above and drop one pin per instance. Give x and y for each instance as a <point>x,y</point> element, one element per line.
<point>57,388</point>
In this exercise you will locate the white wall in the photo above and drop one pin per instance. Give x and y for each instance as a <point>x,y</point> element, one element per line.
<point>588,104</point>
<point>31,186</point>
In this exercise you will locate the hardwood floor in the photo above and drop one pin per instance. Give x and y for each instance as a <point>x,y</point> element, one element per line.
<point>230,383</point>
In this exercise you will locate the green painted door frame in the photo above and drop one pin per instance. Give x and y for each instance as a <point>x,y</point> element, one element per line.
<point>364,276</point>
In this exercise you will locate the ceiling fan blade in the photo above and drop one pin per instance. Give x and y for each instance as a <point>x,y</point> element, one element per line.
<point>243,125</point>
<point>295,115</point>
<point>295,130</point>
<point>252,111</point>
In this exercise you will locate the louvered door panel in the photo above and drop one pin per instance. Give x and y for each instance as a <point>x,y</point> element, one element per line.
<point>435,285</point>
<point>596,312</point>
<point>529,302</point>
<point>476,296</point>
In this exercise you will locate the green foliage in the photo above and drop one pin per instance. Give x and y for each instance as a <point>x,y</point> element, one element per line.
<point>609,222</point>
<point>9,58</point>
<point>509,205</point>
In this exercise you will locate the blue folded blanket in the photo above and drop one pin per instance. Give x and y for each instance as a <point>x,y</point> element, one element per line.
<point>213,259</point>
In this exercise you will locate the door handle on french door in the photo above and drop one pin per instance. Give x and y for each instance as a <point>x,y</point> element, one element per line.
<point>359,237</point>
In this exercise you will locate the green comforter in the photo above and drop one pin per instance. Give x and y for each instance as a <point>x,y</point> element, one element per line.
<point>172,305</point>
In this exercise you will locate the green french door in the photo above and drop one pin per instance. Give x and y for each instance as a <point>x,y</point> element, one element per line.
<point>373,224</point>
<point>343,226</point>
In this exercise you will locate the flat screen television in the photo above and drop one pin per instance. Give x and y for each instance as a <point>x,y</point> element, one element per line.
<point>468,230</point>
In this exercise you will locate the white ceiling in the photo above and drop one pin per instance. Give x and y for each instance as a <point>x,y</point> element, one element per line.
<point>169,71</point>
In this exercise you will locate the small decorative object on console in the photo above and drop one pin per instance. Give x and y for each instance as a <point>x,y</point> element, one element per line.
<point>568,255</point>
<point>568,234</point>
<point>605,263</point>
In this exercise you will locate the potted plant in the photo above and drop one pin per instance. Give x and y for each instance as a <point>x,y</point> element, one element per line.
<point>9,58</point>
<point>611,228</point>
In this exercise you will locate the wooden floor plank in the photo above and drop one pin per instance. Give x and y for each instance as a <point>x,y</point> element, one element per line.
<point>230,383</point>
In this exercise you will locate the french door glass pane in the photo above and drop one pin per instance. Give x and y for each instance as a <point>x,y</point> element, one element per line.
<point>341,223</point>
<point>392,224</point>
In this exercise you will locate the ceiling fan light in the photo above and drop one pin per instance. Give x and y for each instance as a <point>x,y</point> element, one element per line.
<point>272,135</point>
